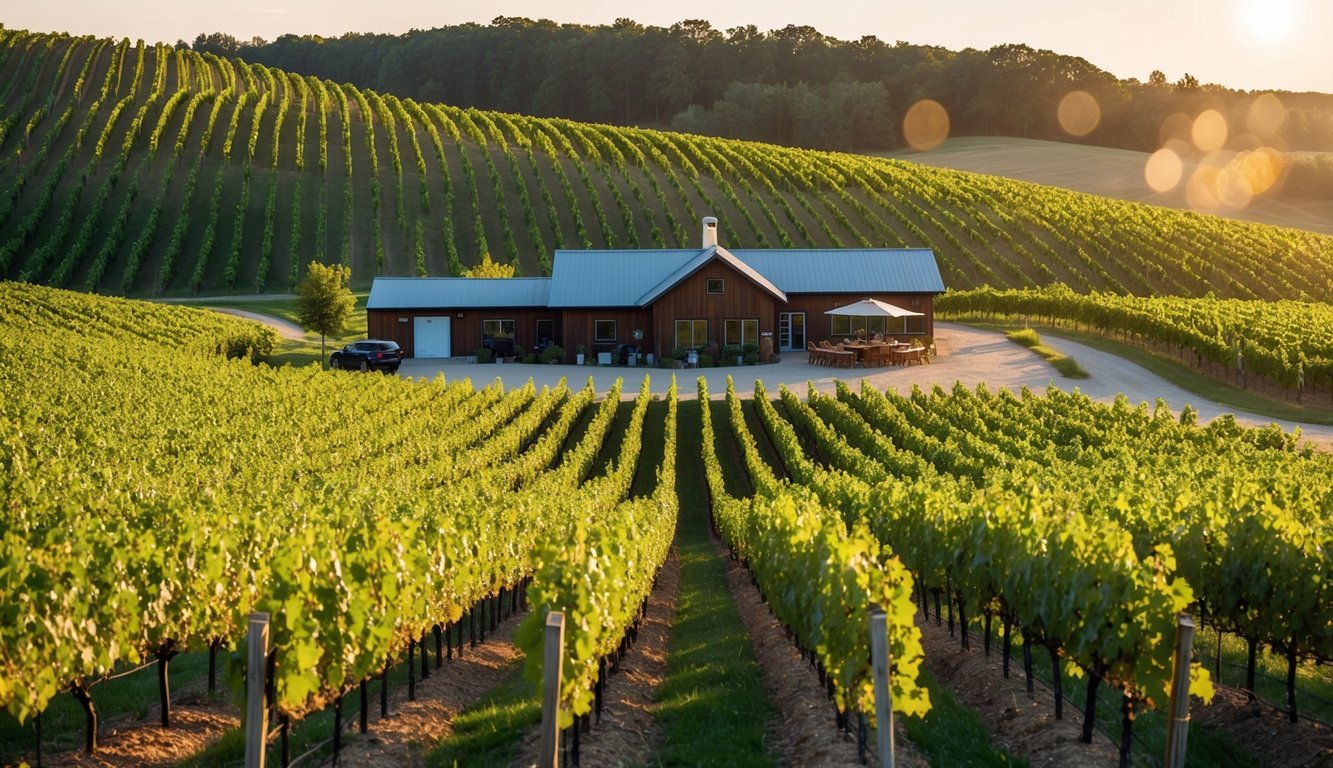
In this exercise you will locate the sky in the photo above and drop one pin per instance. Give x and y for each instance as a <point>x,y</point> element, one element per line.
<point>1246,44</point>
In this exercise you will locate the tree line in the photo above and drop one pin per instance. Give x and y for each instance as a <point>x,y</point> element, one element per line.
<point>792,85</point>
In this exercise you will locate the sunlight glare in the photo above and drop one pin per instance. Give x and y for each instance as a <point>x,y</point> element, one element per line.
<point>1079,113</point>
<point>1163,170</point>
<point>1261,168</point>
<point>1265,116</point>
<point>1176,127</point>
<point>1266,21</point>
<point>1209,131</point>
<point>926,125</point>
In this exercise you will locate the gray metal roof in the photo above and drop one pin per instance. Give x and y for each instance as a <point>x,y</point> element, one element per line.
<point>458,292</point>
<point>847,270</point>
<point>697,263</point>
<point>636,278</point>
<point>612,278</point>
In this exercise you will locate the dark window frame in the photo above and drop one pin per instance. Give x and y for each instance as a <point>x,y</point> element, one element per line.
<point>601,338</point>
<point>742,321</point>
<point>512,332</point>
<point>697,341</point>
<point>720,282</point>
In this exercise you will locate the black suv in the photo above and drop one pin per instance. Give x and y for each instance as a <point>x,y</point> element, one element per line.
<point>371,354</point>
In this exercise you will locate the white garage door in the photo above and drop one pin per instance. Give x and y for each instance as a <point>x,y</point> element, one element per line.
<point>430,337</point>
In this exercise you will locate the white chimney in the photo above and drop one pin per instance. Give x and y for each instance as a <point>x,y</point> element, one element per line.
<point>710,232</point>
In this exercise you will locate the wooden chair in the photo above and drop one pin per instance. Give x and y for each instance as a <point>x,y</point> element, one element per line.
<point>875,356</point>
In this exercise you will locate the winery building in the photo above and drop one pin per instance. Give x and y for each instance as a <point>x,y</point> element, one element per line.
<point>657,301</point>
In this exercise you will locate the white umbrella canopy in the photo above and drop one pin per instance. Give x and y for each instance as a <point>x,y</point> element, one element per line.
<point>873,308</point>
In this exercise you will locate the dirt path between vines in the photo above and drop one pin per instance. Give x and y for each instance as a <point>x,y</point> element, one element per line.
<point>628,733</point>
<point>403,739</point>
<point>195,725</point>
<point>805,733</point>
<point>1020,722</point>
<point>414,728</point>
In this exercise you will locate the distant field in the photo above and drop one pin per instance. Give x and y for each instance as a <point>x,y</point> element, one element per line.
<point>1099,171</point>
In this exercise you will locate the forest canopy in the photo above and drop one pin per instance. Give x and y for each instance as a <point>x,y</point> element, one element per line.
<point>793,85</point>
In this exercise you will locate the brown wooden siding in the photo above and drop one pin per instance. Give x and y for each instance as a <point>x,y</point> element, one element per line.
<point>464,326</point>
<point>578,329</point>
<point>689,300</point>
<point>818,326</point>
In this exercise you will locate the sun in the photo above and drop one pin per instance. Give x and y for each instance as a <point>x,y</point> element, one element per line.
<point>1266,21</point>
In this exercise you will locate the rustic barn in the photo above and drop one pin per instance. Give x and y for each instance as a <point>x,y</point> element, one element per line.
<point>657,301</point>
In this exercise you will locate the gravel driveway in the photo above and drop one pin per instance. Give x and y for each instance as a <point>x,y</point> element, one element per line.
<point>965,354</point>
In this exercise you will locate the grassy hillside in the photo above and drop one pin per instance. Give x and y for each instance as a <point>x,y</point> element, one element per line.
<point>1102,171</point>
<point>148,170</point>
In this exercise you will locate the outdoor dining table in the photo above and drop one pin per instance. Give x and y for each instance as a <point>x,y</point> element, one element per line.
<point>859,349</point>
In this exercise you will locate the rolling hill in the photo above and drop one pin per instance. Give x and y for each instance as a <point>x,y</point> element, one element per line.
<point>148,170</point>
<point>1102,171</point>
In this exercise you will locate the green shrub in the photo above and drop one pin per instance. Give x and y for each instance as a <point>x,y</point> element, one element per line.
<point>1026,337</point>
<point>553,353</point>
<point>256,344</point>
<point>1068,367</point>
<point>752,358</point>
<point>484,355</point>
<point>707,361</point>
<point>1065,366</point>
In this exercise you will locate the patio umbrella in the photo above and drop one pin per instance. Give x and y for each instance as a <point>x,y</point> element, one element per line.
<point>872,308</point>
<point>867,308</point>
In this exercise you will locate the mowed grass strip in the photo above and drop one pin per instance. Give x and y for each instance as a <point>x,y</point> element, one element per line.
<point>490,730</point>
<point>1066,366</point>
<point>953,736</point>
<point>712,704</point>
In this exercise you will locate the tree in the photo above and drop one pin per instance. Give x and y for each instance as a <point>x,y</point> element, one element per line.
<point>324,303</point>
<point>488,268</point>
<point>1187,83</point>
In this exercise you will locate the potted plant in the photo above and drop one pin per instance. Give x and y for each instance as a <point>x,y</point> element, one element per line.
<point>732,352</point>
<point>678,356</point>
<point>580,354</point>
<point>552,354</point>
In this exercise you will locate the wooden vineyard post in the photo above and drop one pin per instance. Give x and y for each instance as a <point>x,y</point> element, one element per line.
<point>551,669</point>
<point>880,664</point>
<point>256,706</point>
<point>1177,728</point>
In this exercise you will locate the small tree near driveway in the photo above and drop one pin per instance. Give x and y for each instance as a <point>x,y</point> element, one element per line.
<point>324,303</point>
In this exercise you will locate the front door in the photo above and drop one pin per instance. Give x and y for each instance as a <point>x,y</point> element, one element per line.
<point>791,331</point>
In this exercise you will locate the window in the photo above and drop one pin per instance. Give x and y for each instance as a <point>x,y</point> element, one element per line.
<point>604,331</point>
<point>916,301</point>
<point>545,331</point>
<point>691,333</point>
<point>716,285</point>
<point>740,331</point>
<point>846,326</point>
<point>497,329</point>
<point>915,325</point>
